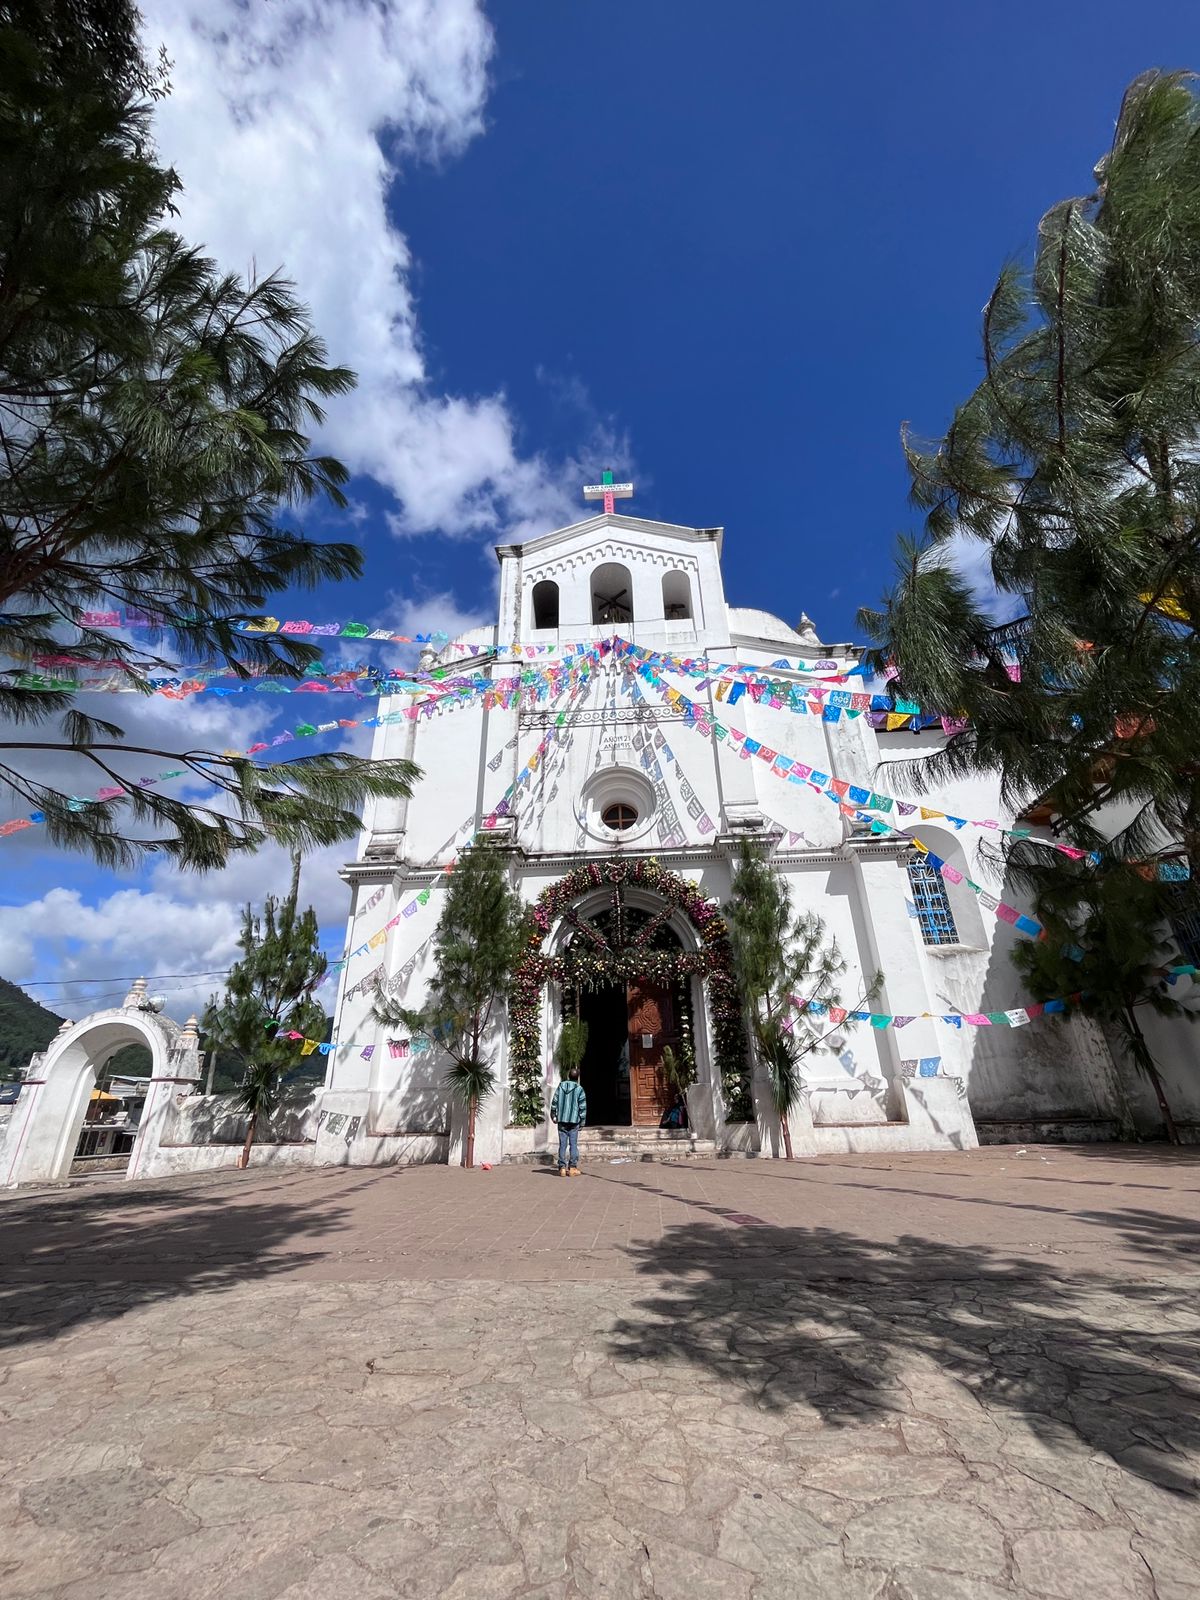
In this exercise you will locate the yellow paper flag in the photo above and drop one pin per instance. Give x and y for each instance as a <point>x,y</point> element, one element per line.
<point>1169,607</point>
<point>307,1048</point>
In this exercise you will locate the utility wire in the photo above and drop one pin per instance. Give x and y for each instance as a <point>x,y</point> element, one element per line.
<point>150,977</point>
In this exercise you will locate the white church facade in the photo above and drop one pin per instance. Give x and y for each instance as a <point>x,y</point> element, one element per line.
<point>617,735</point>
<point>620,785</point>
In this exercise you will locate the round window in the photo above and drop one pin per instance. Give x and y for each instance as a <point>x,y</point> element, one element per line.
<point>618,817</point>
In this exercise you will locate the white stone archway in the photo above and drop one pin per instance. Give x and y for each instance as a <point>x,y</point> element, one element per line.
<point>40,1137</point>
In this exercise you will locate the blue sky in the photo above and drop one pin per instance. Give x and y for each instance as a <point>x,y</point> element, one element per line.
<point>758,242</point>
<point>727,250</point>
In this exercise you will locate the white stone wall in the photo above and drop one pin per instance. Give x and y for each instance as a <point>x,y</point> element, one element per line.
<point>1047,1073</point>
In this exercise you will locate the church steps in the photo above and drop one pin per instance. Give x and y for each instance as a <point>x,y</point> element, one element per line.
<point>635,1144</point>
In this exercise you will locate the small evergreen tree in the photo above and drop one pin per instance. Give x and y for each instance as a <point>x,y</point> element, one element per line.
<point>1104,952</point>
<point>481,937</point>
<point>1074,465</point>
<point>153,422</point>
<point>572,1043</point>
<point>777,958</point>
<point>268,991</point>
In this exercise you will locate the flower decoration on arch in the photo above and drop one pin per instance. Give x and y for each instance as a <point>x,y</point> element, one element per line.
<point>712,961</point>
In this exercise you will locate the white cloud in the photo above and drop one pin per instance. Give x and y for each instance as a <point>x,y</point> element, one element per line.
<point>181,924</point>
<point>128,932</point>
<point>288,125</point>
<point>971,558</point>
<point>436,613</point>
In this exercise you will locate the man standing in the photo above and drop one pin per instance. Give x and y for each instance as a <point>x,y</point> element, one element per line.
<point>569,1110</point>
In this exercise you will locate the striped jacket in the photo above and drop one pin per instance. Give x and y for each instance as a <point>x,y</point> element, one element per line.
<point>569,1104</point>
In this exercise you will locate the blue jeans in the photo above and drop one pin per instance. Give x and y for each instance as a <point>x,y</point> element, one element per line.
<point>568,1135</point>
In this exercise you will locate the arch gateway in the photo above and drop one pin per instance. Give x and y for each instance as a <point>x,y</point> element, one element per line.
<point>39,1140</point>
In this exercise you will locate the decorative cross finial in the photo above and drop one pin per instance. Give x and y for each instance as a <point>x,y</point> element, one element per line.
<point>608,491</point>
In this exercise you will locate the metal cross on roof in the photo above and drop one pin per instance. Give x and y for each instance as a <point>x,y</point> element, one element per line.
<point>608,491</point>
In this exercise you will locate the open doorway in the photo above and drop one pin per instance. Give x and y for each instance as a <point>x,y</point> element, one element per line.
<point>605,1070</point>
<point>113,1113</point>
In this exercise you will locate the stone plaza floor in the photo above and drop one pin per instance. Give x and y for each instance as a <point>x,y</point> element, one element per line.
<point>892,1378</point>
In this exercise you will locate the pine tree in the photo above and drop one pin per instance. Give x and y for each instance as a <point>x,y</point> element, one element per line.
<point>783,965</point>
<point>270,990</point>
<point>1104,951</point>
<point>481,937</point>
<point>152,424</point>
<point>1074,463</point>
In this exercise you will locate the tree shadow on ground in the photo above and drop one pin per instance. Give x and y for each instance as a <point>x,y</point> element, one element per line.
<point>1010,1354</point>
<point>1142,1229</point>
<point>91,1254</point>
<point>1148,1152</point>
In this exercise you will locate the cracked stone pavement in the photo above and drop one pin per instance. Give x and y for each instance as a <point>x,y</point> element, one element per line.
<point>891,1378</point>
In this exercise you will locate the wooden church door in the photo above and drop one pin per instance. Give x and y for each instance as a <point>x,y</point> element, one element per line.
<point>651,1026</point>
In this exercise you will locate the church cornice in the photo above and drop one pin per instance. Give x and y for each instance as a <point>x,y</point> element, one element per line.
<point>615,524</point>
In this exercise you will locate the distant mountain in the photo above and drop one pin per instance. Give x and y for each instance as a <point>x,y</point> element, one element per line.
<point>25,1026</point>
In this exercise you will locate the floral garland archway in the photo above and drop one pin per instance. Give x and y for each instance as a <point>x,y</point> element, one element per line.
<point>713,961</point>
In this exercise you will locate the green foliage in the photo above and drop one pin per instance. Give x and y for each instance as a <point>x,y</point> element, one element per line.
<point>154,419</point>
<point>1104,950</point>
<point>679,1072</point>
<point>268,990</point>
<point>260,1091</point>
<point>471,1081</point>
<point>478,944</point>
<point>572,1043</point>
<point>781,1054</point>
<point>481,937</point>
<point>25,1027</point>
<point>776,958</point>
<point>1074,464</point>
<point>79,37</point>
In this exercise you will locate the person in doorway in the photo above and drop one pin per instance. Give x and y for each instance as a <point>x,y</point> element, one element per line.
<point>675,1116</point>
<point>569,1110</point>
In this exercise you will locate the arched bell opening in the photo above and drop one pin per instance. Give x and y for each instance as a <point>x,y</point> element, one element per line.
<point>544,600</point>
<point>612,595</point>
<point>677,597</point>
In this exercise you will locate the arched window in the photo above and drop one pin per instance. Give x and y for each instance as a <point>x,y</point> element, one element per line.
<point>545,604</point>
<point>612,594</point>
<point>677,597</point>
<point>932,903</point>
